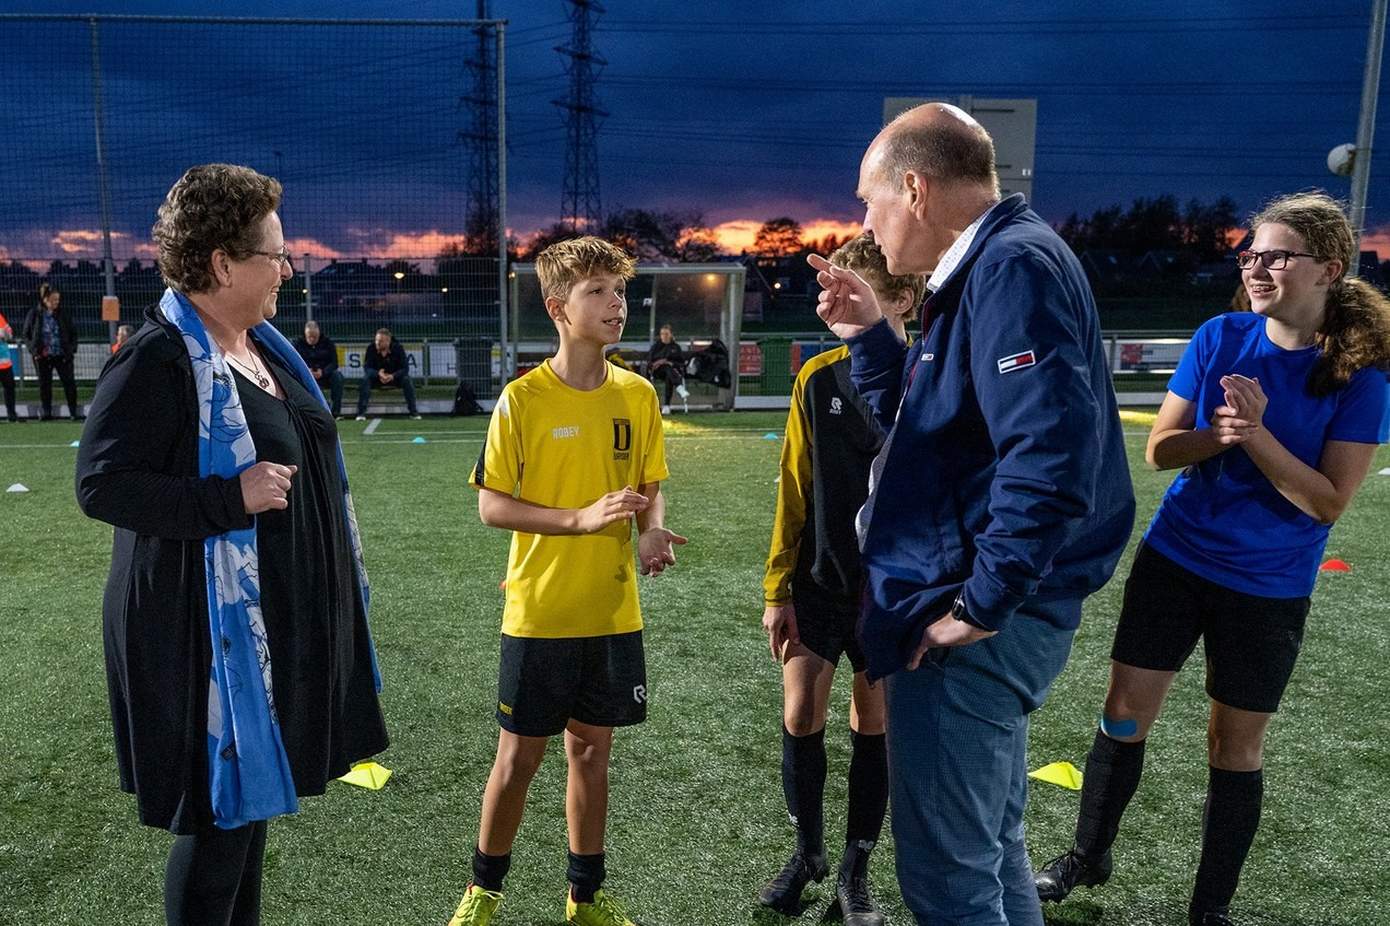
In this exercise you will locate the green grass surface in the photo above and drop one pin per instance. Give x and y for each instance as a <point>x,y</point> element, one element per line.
<point>697,821</point>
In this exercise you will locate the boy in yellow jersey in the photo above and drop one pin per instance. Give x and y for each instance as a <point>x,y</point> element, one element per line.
<point>811,597</point>
<point>567,443</point>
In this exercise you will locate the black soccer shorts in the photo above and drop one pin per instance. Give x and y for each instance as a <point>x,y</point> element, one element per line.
<point>544,683</point>
<point>1251,642</point>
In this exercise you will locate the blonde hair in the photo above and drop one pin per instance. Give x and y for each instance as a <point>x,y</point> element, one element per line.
<point>1355,331</point>
<point>565,263</point>
<point>862,255</point>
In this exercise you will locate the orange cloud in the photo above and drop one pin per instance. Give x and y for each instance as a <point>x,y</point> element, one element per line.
<point>737,235</point>
<point>311,246</point>
<point>421,244</point>
<point>1376,239</point>
<point>83,242</point>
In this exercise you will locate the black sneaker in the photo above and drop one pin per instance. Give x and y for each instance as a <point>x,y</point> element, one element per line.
<point>1210,918</point>
<point>853,903</point>
<point>783,893</point>
<point>1066,872</point>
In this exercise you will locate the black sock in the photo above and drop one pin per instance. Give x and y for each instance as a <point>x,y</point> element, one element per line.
<point>212,874</point>
<point>1229,822</point>
<point>1112,775</point>
<point>803,784</point>
<point>868,788</point>
<point>586,874</point>
<point>489,870</point>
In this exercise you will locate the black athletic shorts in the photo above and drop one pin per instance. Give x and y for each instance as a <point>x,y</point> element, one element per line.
<point>1251,642</point>
<point>826,628</point>
<point>545,683</point>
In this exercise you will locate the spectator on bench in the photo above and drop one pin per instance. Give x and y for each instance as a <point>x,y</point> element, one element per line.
<point>385,364</point>
<point>320,355</point>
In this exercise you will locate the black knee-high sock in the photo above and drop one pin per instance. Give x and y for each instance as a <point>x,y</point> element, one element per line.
<point>1112,775</point>
<point>586,874</point>
<point>803,783</point>
<point>203,880</point>
<point>1229,822</point>
<point>489,870</point>
<point>868,788</point>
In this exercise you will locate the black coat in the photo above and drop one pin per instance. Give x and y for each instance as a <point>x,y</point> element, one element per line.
<point>394,361</point>
<point>137,468</point>
<point>31,333</point>
<point>322,355</point>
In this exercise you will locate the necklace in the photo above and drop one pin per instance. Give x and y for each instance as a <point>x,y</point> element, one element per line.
<point>261,378</point>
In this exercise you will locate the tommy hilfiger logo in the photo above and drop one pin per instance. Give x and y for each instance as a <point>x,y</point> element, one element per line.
<point>1017,361</point>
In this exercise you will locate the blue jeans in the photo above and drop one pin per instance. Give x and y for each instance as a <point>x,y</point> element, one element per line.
<point>957,757</point>
<point>334,392</point>
<point>364,391</point>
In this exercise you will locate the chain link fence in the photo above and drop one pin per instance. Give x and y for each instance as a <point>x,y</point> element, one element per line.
<point>372,128</point>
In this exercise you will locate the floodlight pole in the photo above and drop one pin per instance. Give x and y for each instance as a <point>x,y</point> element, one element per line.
<point>108,260</point>
<point>506,366</point>
<point>1365,131</point>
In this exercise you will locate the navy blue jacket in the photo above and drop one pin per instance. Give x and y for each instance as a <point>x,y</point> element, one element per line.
<point>394,361</point>
<point>1004,474</point>
<point>321,355</point>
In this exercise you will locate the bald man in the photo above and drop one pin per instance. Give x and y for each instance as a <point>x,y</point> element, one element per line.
<point>1008,501</point>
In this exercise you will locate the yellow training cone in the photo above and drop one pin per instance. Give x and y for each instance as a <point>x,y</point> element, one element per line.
<point>1062,774</point>
<point>367,775</point>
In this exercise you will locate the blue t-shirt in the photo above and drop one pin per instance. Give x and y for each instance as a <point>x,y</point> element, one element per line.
<point>1221,518</point>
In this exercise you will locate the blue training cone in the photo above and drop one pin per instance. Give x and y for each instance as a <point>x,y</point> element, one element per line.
<point>418,440</point>
<point>770,435</point>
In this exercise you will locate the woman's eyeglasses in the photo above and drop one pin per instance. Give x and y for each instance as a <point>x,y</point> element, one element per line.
<point>282,256</point>
<point>1276,259</point>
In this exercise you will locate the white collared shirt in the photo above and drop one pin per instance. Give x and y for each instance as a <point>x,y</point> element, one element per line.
<point>951,259</point>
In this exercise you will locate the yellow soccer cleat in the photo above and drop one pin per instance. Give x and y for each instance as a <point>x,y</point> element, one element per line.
<point>477,907</point>
<point>604,911</point>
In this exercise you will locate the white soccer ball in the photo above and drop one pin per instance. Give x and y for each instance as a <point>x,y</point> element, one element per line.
<point>1342,159</point>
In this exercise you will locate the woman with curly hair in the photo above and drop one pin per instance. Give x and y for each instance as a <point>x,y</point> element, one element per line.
<point>1273,416</point>
<point>240,668</point>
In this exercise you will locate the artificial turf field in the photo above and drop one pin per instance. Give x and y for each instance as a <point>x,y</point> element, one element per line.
<point>696,821</point>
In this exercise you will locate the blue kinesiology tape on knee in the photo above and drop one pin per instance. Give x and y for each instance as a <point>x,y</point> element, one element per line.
<point>1118,729</point>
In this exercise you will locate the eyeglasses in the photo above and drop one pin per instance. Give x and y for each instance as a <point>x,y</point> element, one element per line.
<point>1273,260</point>
<point>281,257</point>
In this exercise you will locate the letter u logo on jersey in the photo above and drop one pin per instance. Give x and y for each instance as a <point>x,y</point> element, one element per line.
<point>622,438</point>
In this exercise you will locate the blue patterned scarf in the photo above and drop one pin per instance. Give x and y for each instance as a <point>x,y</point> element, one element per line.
<point>248,770</point>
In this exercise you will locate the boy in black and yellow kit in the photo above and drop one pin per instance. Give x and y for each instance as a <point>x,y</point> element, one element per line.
<point>567,443</point>
<point>811,598</point>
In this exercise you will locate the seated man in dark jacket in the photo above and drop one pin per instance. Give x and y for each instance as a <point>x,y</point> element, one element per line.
<point>385,364</point>
<point>321,357</point>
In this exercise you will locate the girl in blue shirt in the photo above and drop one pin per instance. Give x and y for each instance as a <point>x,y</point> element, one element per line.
<point>1274,417</point>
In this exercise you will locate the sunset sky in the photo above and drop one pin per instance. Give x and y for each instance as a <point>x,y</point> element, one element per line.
<point>741,112</point>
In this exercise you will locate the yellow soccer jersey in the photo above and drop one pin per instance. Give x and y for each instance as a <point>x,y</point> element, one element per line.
<point>550,444</point>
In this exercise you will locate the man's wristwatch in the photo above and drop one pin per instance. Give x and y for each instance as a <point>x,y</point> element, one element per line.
<point>959,612</point>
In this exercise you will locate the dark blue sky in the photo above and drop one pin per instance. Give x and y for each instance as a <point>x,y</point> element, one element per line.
<point>741,111</point>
